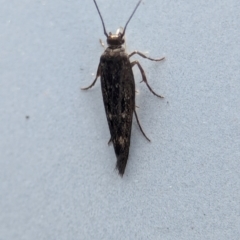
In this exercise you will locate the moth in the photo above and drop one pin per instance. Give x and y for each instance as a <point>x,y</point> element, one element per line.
<point>118,90</point>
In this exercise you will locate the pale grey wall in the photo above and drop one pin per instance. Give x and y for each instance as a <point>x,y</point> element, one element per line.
<point>57,178</point>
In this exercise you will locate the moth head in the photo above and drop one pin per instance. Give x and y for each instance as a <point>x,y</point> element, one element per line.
<point>118,38</point>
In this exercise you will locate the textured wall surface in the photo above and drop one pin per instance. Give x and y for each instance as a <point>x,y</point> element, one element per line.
<point>57,177</point>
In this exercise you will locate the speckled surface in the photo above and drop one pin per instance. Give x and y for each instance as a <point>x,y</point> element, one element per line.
<point>57,177</point>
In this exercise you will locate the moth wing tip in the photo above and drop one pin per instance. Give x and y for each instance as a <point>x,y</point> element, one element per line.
<point>121,165</point>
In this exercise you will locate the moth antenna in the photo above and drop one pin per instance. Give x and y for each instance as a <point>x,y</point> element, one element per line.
<point>130,17</point>
<point>104,29</point>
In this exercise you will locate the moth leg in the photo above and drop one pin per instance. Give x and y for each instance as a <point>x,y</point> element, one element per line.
<point>98,74</point>
<point>144,77</point>
<point>110,141</point>
<point>144,56</point>
<point>102,43</point>
<point>141,127</point>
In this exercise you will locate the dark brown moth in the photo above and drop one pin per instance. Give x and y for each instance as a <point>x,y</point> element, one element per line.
<point>118,91</point>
